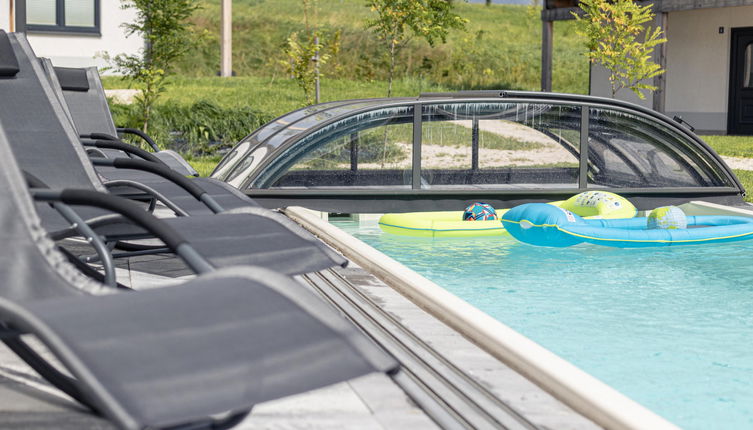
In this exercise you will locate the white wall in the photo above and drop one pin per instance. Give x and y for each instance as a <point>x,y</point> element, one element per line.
<point>600,87</point>
<point>84,50</point>
<point>698,60</point>
<point>5,15</point>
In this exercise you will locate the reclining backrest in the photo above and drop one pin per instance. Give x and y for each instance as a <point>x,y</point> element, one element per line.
<point>40,135</point>
<point>86,100</point>
<point>30,267</point>
<point>8,62</point>
<point>52,77</point>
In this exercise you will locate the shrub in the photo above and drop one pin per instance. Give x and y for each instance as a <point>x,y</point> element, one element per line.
<point>200,128</point>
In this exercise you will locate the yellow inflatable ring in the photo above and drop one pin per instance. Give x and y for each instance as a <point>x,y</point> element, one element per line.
<point>439,224</point>
<point>599,205</point>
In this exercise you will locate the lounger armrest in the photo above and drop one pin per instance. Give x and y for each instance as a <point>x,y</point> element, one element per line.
<point>145,137</point>
<point>102,136</point>
<point>99,136</point>
<point>122,146</point>
<point>196,191</point>
<point>174,240</point>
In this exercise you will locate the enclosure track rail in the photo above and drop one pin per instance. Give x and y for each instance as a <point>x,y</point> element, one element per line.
<point>447,394</point>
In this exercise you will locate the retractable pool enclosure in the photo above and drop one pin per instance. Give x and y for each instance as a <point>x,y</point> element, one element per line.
<point>442,150</point>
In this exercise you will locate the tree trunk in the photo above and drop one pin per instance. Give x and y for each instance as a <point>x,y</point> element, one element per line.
<point>392,67</point>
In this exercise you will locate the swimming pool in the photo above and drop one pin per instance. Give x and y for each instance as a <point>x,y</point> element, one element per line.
<point>671,328</point>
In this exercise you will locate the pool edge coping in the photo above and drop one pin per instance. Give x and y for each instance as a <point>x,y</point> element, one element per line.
<point>584,393</point>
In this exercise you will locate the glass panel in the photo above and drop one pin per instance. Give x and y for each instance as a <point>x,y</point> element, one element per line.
<point>500,145</point>
<point>79,13</point>
<point>230,160</point>
<point>295,128</point>
<point>372,149</point>
<point>276,125</point>
<point>748,66</point>
<point>246,166</point>
<point>41,12</point>
<point>629,151</point>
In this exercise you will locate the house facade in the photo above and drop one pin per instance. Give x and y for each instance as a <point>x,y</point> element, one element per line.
<point>708,61</point>
<point>73,33</point>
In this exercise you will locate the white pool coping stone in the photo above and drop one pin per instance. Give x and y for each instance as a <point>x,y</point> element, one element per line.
<point>574,387</point>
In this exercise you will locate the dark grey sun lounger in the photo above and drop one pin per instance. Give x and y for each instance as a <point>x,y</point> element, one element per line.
<point>47,148</point>
<point>85,99</point>
<point>172,356</point>
<point>85,105</point>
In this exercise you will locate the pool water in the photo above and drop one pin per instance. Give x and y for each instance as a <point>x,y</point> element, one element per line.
<point>672,328</point>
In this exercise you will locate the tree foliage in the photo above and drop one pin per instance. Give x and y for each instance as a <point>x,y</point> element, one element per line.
<point>398,21</point>
<point>167,34</point>
<point>619,39</point>
<point>307,51</point>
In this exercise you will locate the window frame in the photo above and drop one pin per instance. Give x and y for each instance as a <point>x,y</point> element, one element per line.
<point>60,26</point>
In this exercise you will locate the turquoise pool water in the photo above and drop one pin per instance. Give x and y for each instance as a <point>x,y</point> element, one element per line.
<point>671,328</point>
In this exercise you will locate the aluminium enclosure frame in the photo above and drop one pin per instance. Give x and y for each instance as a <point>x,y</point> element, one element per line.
<point>368,199</point>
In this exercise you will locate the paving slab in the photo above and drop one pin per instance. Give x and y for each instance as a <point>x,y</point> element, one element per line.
<point>536,405</point>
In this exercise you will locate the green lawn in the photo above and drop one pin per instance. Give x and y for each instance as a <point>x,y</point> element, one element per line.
<point>271,95</point>
<point>735,146</point>
<point>732,146</point>
<point>204,165</point>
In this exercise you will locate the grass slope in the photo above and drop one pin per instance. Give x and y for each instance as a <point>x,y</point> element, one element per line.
<point>501,47</point>
<point>273,95</point>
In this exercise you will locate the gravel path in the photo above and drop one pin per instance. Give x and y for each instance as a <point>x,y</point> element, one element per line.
<point>739,162</point>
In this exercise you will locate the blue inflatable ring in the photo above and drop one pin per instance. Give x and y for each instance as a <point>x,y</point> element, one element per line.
<point>546,225</point>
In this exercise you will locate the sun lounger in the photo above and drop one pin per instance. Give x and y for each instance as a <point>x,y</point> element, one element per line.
<point>48,149</point>
<point>85,105</point>
<point>198,354</point>
<point>85,99</point>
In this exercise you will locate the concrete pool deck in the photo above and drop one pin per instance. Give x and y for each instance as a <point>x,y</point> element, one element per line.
<point>372,402</point>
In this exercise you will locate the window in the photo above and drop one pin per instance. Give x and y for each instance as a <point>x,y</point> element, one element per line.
<point>628,151</point>
<point>748,73</point>
<point>372,149</point>
<point>70,16</point>
<point>500,145</point>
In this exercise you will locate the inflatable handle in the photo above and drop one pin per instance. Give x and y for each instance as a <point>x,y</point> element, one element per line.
<point>538,224</point>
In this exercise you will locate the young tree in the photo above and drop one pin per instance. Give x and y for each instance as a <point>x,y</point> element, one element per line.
<point>167,36</point>
<point>305,52</point>
<point>304,59</point>
<point>398,21</point>
<point>613,29</point>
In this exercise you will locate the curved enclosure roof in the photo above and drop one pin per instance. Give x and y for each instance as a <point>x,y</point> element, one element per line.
<point>480,145</point>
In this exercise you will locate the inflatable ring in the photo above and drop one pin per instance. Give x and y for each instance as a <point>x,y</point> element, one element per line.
<point>439,224</point>
<point>599,204</point>
<point>546,225</point>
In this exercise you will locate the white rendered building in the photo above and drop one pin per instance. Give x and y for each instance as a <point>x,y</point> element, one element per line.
<point>73,33</point>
